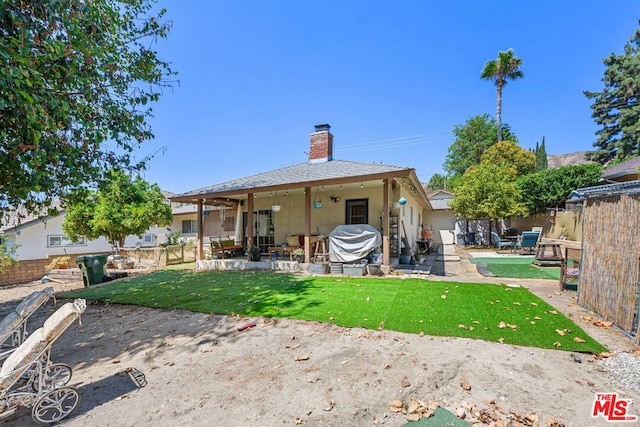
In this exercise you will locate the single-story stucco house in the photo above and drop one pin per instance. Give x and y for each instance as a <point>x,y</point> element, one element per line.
<point>313,198</point>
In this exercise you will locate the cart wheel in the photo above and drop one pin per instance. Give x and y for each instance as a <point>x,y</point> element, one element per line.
<point>55,405</point>
<point>56,375</point>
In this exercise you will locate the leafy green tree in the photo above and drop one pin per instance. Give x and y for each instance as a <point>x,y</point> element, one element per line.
<point>437,182</point>
<point>7,256</point>
<point>76,81</point>
<point>542,162</point>
<point>617,107</point>
<point>488,190</point>
<point>472,138</point>
<point>120,207</point>
<point>511,154</point>
<point>506,67</point>
<point>551,188</point>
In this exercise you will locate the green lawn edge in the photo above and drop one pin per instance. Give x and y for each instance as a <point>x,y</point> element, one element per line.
<point>496,313</point>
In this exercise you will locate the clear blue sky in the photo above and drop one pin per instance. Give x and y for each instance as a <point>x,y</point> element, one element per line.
<point>391,78</point>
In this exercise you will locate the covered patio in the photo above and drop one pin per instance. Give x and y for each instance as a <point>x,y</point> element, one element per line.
<point>309,200</point>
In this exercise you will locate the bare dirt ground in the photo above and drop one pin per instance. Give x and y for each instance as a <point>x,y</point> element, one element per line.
<point>202,371</point>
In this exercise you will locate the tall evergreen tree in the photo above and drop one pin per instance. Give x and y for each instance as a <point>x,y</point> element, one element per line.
<point>541,157</point>
<point>617,107</point>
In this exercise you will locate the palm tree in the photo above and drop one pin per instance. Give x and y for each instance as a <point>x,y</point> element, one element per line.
<point>506,67</point>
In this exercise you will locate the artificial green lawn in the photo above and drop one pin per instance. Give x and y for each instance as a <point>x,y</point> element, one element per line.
<point>452,309</point>
<point>517,268</point>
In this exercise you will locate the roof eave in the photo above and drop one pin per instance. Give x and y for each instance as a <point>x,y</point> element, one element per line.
<point>195,196</point>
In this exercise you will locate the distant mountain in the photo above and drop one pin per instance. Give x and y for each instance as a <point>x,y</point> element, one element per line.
<point>577,158</point>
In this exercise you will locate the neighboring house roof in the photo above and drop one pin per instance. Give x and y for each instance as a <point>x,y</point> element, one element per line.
<point>440,192</point>
<point>627,169</point>
<point>440,204</point>
<point>302,174</point>
<point>439,199</point>
<point>628,187</point>
<point>19,218</point>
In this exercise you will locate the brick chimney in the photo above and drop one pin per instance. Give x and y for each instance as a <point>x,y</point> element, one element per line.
<point>321,145</point>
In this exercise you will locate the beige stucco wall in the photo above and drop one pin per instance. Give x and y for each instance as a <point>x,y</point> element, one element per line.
<point>441,222</point>
<point>562,224</point>
<point>290,219</point>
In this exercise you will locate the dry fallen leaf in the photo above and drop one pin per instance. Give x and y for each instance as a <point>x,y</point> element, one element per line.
<point>462,327</point>
<point>443,296</point>
<point>413,407</point>
<point>466,386</point>
<point>302,357</point>
<point>578,339</point>
<point>502,325</point>
<point>298,420</point>
<point>560,332</point>
<point>501,340</point>
<point>603,324</point>
<point>413,417</point>
<point>516,303</point>
<point>557,344</point>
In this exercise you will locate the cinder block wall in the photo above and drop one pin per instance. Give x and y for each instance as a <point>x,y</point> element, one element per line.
<point>23,272</point>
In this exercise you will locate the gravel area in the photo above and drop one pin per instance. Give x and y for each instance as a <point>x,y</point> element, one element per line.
<point>623,370</point>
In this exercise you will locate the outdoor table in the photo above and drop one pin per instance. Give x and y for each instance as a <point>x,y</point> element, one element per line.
<point>284,250</point>
<point>542,254</point>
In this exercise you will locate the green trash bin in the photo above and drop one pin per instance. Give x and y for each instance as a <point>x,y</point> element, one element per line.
<point>93,267</point>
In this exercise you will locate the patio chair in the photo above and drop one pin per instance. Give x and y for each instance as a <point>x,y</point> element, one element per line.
<point>528,241</point>
<point>499,243</point>
<point>13,328</point>
<point>28,378</point>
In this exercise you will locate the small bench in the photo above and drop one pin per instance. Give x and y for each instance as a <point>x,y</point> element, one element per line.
<point>224,246</point>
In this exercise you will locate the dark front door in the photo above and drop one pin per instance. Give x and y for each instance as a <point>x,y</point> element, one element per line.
<point>357,211</point>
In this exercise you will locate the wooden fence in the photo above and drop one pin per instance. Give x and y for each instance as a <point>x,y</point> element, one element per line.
<point>610,270</point>
<point>178,254</point>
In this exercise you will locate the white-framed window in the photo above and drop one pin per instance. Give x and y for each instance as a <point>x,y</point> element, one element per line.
<point>148,239</point>
<point>62,240</point>
<point>189,226</point>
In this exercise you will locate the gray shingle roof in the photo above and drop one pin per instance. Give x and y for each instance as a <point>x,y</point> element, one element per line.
<point>300,174</point>
<point>625,168</point>
<point>628,187</point>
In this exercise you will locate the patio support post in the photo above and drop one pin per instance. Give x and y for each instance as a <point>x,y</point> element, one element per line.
<point>250,220</point>
<point>386,256</point>
<point>200,231</point>
<point>307,224</point>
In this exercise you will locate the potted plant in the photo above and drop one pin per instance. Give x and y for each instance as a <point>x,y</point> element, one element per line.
<point>60,262</point>
<point>298,253</point>
<point>253,253</point>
